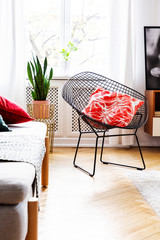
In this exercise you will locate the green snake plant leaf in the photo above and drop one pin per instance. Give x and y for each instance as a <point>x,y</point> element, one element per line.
<point>40,79</point>
<point>33,95</point>
<point>51,74</point>
<point>47,86</point>
<point>33,69</point>
<point>45,66</point>
<point>35,64</point>
<point>37,88</point>
<point>30,74</point>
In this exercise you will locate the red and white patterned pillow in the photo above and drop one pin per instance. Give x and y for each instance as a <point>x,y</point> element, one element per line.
<point>112,108</point>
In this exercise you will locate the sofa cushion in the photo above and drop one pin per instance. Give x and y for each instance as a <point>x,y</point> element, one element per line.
<point>3,126</point>
<point>16,179</point>
<point>13,221</point>
<point>13,113</point>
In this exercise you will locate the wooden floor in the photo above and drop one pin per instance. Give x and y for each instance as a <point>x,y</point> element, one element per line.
<point>106,207</point>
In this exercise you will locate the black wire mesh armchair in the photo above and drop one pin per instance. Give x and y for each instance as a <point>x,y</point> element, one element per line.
<point>76,92</point>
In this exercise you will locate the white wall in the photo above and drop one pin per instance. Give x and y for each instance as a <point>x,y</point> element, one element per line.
<point>146,13</point>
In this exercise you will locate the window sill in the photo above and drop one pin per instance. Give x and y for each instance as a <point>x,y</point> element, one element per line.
<point>63,77</point>
<point>57,78</point>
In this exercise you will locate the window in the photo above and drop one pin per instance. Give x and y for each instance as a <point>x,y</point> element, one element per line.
<point>52,24</point>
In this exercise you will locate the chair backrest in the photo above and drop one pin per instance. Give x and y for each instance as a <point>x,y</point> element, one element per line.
<point>77,90</point>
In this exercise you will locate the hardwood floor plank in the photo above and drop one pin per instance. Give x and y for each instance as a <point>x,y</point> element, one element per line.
<point>106,207</point>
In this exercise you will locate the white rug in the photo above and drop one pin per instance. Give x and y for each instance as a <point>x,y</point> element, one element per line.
<point>148,184</point>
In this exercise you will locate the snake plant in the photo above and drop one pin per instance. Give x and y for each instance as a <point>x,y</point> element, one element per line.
<point>38,78</point>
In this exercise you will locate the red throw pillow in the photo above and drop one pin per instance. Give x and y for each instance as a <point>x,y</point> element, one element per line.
<point>112,108</point>
<point>12,113</point>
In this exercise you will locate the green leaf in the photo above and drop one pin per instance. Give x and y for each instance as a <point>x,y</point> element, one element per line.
<point>66,52</point>
<point>33,69</point>
<point>33,95</point>
<point>45,66</point>
<point>30,74</point>
<point>35,64</point>
<point>51,74</point>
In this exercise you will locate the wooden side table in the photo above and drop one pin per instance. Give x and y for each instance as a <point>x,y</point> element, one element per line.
<point>152,125</point>
<point>48,121</point>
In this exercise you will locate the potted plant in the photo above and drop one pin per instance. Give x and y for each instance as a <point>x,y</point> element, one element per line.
<point>41,84</point>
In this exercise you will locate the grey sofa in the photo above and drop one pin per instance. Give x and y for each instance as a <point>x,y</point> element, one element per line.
<point>19,215</point>
<point>16,181</point>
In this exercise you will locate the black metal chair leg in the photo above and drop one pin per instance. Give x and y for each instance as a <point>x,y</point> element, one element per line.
<point>144,166</point>
<point>123,165</point>
<point>102,146</point>
<point>77,149</point>
<point>95,156</point>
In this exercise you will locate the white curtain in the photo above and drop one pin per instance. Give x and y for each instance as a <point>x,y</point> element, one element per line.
<point>120,41</point>
<point>12,68</point>
<point>121,60</point>
<point>126,44</point>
